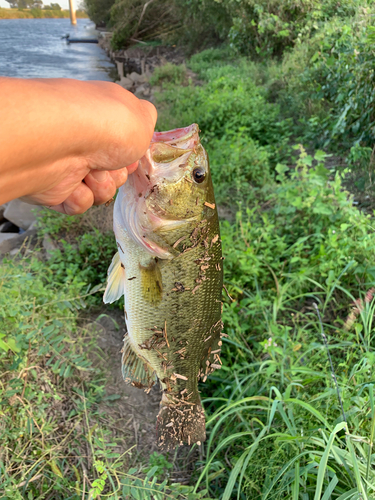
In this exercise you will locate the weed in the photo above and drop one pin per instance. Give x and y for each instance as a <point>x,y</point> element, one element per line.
<point>169,73</point>
<point>55,439</point>
<point>276,427</point>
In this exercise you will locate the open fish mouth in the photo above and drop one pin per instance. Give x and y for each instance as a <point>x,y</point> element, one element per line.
<point>184,138</point>
<point>168,152</point>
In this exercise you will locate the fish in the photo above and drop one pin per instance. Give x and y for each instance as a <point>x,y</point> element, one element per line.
<point>169,267</point>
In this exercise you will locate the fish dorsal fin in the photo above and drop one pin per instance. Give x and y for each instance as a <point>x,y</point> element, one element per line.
<point>115,281</point>
<point>136,370</point>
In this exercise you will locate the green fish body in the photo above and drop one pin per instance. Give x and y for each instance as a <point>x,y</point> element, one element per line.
<point>169,268</point>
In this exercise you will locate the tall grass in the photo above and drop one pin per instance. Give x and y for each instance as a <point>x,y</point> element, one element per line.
<point>276,427</point>
<point>57,439</point>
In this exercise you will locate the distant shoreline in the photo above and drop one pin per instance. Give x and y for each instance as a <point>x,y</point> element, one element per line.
<point>38,14</point>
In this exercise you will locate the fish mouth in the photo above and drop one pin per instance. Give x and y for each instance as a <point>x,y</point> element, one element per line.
<point>167,152</point>
<point>184,138</point>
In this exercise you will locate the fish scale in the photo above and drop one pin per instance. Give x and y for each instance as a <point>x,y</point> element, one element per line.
<point>169,268</point>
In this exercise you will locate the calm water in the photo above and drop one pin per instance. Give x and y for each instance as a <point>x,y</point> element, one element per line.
<point>32,48</point>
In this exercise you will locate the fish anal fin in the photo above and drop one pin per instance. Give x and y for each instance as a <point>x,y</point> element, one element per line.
<point>151,282</point>
<point>135,370</point>
<point>115,281</point>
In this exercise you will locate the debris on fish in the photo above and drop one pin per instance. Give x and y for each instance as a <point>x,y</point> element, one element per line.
<point>168,266</point>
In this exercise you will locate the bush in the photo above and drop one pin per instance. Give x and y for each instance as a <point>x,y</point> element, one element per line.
<point>238,163</point>
<point>242,132</point>
<point>258,28</point>
<point>268,28</point>
<point>169,73</point>
<point>343,69</point>
<point>141,19</point>
<point>273,404</point>
<point>99,11</point>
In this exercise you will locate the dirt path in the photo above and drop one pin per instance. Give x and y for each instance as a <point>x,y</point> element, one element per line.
<point>132,413</point>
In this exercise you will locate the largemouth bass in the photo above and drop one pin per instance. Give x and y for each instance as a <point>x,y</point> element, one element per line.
<point>169,267</point>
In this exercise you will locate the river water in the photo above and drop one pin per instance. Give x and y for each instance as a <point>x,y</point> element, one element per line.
<point>32,48</point>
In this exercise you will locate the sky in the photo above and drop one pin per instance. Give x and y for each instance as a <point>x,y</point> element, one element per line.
<point>64,3</point>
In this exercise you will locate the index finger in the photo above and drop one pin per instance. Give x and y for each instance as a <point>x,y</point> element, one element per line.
<point>150,109</point>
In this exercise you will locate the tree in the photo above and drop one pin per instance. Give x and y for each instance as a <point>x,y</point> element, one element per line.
<point>13,4</point>
<point>53,6</point>
<point>99,10</point>
<point>25,4</point>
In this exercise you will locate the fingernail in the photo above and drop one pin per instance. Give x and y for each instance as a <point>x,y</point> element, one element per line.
<point>99,175</point>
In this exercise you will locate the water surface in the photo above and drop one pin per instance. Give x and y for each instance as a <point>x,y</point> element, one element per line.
<point>32,48</point>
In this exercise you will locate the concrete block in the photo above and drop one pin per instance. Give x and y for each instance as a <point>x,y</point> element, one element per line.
<point>20,213</point>
<point>137,77</point>
<point>2,210</point>
<point>15,251</point>
<point>120,69</point>
<point>9,241</point>
<point>6,243</point>
<point>126,83</point>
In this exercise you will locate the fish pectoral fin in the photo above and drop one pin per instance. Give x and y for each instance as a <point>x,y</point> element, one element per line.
<point>161,248</point>
<point>136,370</point>
<point>115,281</point>
<point>152,282</point>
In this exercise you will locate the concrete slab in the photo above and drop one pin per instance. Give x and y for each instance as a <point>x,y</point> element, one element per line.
<point>126,83</point>
<point>136,77</point>
<point>6,243</point>
<point>2,210</point>
<point>9,241</point>
<point>20,213</point>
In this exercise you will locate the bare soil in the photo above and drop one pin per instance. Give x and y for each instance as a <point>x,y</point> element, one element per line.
<point>134,411</point>
<point>132,416</point>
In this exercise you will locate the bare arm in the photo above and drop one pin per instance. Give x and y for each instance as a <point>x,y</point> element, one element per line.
<point>55,133</point>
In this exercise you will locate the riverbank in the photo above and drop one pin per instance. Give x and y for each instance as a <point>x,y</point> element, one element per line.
<point>38,14</point>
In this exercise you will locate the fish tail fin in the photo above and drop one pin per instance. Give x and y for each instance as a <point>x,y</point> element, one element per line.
<point>179,425</point>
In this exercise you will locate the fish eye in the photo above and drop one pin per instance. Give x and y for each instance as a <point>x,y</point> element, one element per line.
<point>199,175</point>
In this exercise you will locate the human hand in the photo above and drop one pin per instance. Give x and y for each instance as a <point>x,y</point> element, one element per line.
<point>67,132</point>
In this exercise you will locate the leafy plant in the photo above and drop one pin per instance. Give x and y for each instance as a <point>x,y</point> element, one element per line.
<point>159,464</point>
<point>169,73</point>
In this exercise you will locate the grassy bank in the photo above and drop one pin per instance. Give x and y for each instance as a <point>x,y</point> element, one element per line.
<point>284,422</point>
<point>60,432</point>
<point>37,14</point>
<point>291,414</point>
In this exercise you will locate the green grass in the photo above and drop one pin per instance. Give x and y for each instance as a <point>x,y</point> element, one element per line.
<point>56,441</point>
<point>37,14</point>
<point>275,407</point>
<point>293,242</point>
<point>169,73</point>
<point>276,428</point>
